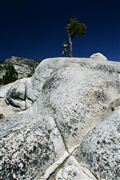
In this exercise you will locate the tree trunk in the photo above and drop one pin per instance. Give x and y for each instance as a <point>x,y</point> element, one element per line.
<point>70,43</point>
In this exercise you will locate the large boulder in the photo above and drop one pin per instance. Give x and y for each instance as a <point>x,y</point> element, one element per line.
<point>66,97</point>
<point>29,148</point>
<point>13,97</point>
<point>16,95</point>
<point>98,56</point>
<point>100,149</point>
<point>78,92</point>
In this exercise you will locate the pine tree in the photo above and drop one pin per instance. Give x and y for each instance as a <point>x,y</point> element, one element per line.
<point>11,74</point>
<point>75,28</point>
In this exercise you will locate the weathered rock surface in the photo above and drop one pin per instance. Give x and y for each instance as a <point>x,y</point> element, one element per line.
<point>100,149</point>
<point>7,110</point>
<point>77,92</point>
<point>28,146</point>
<point>13,97</point>
<point>71,169</point>
<point>65,99</point>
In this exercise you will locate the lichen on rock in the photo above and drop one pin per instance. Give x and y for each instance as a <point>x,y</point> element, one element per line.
<point>64,123</point>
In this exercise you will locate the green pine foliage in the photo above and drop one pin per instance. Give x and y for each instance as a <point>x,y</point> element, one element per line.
<point>11,74</point>
<point>75,28</point>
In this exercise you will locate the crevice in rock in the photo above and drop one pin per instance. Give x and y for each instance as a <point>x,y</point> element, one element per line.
<point>112,107</point>
<point>62,136</point>
<point>65,161</point>
<point>50,171</point>
<point>53,112</point>
<point>62,163</point>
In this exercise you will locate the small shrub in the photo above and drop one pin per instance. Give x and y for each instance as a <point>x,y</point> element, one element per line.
<point>1,115</point>
<point>11,74</point>
<point>19,58</point>
<point>1,81</point>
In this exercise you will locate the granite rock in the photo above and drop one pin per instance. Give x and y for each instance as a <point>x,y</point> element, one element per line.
<point>64,100</point>
<point>100,148</point>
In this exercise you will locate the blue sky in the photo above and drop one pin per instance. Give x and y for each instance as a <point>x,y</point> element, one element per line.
<point>36,29</point>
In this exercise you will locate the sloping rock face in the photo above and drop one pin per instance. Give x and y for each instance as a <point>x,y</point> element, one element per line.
<point>68,98</point>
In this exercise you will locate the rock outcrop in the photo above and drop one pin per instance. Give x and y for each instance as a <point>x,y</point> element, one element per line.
<point>69,105</point>
<point>23,66</point>
<point>13,97</point>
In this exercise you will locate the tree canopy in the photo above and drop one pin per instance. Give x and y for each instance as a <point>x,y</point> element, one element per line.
<point>10,75</point>
<point>75,28</point>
